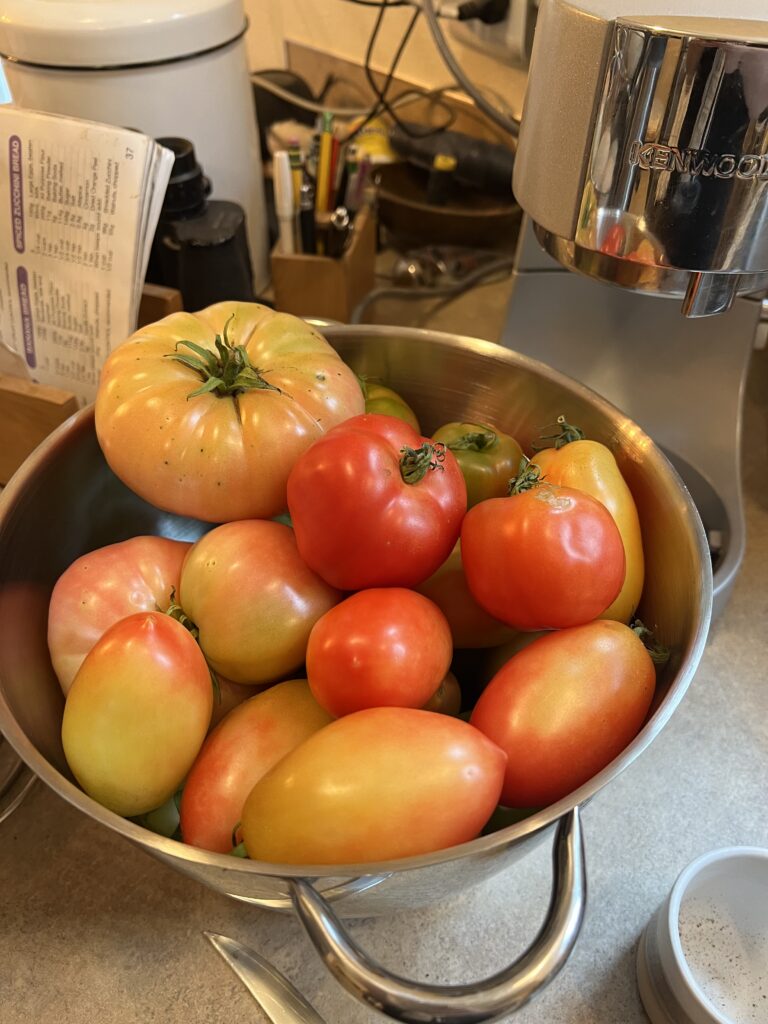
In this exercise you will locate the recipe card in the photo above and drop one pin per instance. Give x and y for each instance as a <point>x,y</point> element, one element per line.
<point>79,204</point>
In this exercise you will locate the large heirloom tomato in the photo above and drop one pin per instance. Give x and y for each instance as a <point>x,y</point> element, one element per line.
<point>564,707</point>
<point>104,586</point>
<point>245,745</point>
<point>204,414</point>
<point>137,713</point>
<point>387,647</point>
<point>591,467</point>
<point>252,599</point>
<point>543,558</point>
<point>376,785</point>
<point>374,504</point>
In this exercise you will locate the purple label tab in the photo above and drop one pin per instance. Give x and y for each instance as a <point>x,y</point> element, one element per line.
<point>22,281</point>
<point>17,192</point>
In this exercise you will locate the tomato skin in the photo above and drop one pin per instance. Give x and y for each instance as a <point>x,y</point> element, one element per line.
<point>387,647</point>
<point>137,713</point>
<point>245,745</point>
<point>253,600</point>
<point>357,522</point>
<point>219,458</point>
<point>488,460</point>
<point>375,785</point>
<point>386,402</point>
<point>471,626</point>
<point>104,586</point>
<point>591,467</point>
<point>564,707</point>
<point>547,558</point>
<point>446,700</point>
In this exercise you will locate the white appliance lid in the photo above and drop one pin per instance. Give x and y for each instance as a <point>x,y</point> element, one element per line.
<point>114,33</point>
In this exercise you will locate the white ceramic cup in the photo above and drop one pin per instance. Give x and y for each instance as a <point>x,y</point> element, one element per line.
<point>703,958</point>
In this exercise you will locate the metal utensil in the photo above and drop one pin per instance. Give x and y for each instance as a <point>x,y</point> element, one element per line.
<point>278,998</point>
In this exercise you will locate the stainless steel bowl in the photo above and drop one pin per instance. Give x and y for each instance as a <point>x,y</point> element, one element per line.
<point>65,501</point>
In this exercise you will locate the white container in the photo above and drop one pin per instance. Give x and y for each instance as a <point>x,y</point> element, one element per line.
<point>703,959</point>
<point>164,67</point>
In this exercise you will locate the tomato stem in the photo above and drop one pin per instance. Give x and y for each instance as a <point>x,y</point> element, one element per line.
<point>565,435</point>
<point>417,462</point>
<point>226,372</point>
<point>658,652</point>
<point>177,612</point>
<point>528,476</point>
<point>474,441</point>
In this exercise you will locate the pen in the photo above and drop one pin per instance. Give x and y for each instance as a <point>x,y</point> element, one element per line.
<point>323,181</point>
<point>307,217</point>
<point>338,231</point>
<point>281,175</point>
<point>297,172</point>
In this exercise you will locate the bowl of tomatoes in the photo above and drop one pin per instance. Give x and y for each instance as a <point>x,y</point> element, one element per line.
<point>346,622</point>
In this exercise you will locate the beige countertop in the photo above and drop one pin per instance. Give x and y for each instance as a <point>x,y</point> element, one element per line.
<point>92,929</point>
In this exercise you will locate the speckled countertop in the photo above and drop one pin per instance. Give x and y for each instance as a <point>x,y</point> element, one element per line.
<point>92,929</point>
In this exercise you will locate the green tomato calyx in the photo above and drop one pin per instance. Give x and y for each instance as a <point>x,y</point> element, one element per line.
<point>528,477</point>
<point>227,372</point>
<point>566,433</point>
<point>176,612</point>
<point>474,441</point>
<point>415,463</point>
<point>658,652</point>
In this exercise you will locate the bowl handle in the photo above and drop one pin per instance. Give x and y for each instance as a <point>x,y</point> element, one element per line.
<point>502,993</point>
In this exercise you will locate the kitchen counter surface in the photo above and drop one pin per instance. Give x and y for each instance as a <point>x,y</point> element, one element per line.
<point>93,929</point>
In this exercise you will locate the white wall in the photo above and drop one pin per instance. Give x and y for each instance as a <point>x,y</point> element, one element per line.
<point>342,29</point>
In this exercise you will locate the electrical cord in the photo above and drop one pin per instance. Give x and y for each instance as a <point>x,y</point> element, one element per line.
<point>509,124</point>
<point>439,291</point>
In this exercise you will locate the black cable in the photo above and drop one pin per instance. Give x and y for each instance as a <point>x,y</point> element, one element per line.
<point>381,3</point>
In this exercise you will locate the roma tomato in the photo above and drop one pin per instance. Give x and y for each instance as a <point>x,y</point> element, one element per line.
<point>104,586</point>
<point>377,785</point>
<point>375,505</point>
<point>386,402</point>
<point>471,626</point>
<point>488,458</point>
<point>252,599</point>
<point>379,648</point>
<point>591,467</point>
<point>137,713</point>
<point>544,558</point>
<point>446,700</point>
<point>203,414</point>
<point>565,707</point>
<point>246,744</point>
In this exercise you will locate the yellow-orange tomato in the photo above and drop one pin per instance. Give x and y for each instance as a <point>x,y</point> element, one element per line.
<point>245,745</point>
<point>375,785</point>
<point>471,625</point>
<point>253,600</point>
<point>591,467</point>
<point>564,707</point>
<point>276,386</point>
<point>386,402</point>
<point>137,713</point>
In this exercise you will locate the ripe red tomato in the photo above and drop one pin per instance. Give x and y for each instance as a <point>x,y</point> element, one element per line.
<point>545,558</point>
<point>375,505</point>
<point>386,647</point>
<point>376,785</point>
<point>137,713</point>
<point>253,600</point>
<point>565,707</point>
<point>104,586</point>
<point>247,743</point>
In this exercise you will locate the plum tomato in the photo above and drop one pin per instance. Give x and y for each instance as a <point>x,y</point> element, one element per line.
<point>245,745</point>
<point>137,713</point>
<point>374,786</point>
<point>374,504</point>
<point>564,707</point>
<point>386,647</point>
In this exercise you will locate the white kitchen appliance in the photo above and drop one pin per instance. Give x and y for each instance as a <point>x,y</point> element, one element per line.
<point>164,67</point>
<point>643,162</point>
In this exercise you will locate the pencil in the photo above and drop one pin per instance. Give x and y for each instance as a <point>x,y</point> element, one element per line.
<point>324,165</point>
